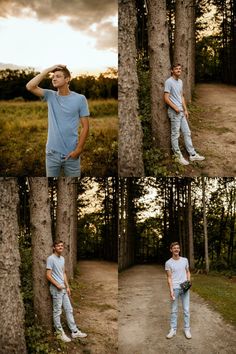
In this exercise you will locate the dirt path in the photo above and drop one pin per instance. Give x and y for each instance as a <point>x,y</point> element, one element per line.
<point>213,125</point>
<point>144,309</point>
<point>95,308</point>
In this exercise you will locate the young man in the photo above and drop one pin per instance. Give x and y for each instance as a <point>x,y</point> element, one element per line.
<point>177,269</point>
<point>65,109</point>
<point>60,291</point>
<point>178,114</point>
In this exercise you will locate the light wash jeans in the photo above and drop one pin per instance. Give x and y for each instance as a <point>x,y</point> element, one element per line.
<point>61,299</point>
<point>56,161</point>
<point>174,308</point>
<point>179,122</point>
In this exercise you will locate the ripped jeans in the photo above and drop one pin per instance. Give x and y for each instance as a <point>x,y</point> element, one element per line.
<point>179,122</point>
<point>61,299</point>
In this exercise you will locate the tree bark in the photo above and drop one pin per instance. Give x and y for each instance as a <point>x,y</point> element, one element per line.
<point>66,227</point>
<point>40,220</point>
<point>130,130</point>
<point>190,227</point>
<point>12,339</point>
<point>184,51</point>
<point>205,225</point>
<point>158,44</point>
<point>121,225</point>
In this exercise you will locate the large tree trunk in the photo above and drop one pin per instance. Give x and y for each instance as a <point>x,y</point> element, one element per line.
<point>40,219</point>
<point>12,339</point>
<point>66,228</point>
<point>184,51</point>
<point>130,131</point>
<point>205,225</point>
<point>158,44</point>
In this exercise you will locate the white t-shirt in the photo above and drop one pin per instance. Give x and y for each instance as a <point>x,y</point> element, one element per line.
<point>178,269</point>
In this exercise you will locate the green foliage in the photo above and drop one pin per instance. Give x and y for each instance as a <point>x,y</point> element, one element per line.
<point>219,292</point>
<point>36,340</point>
<point>153,158</point>
<point>208,65</point>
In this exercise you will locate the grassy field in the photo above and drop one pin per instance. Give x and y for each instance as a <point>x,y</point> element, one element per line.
<point>219,292</point>
<point>23,135</point>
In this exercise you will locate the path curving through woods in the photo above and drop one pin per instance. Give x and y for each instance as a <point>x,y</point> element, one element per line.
<point>144,309</point>
<point>213,125</point>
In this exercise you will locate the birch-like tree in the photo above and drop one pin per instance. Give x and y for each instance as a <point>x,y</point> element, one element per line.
<point>190,224</point>
<point>205,224</point>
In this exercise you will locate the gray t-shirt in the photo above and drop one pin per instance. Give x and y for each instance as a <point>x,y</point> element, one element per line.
<point>175,89</point>
<point>178,269</point>
<point>57,265</point>
<point>64,113</point>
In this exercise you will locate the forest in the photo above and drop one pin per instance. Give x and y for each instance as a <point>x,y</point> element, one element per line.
<point>198,34</point>
<point>12,84</point>
<point>199,213</point>
<point>35,212</point>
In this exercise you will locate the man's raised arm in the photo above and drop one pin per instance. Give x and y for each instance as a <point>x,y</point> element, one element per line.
<point>32,85</point>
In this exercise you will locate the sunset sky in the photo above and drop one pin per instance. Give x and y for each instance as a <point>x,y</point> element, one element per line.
<point>79,33</point>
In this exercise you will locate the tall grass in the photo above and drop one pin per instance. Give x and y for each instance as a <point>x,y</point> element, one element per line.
<point>23,135</point>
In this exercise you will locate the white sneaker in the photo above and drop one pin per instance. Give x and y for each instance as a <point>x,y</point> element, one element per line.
<point>196,157</point>
<point>182,160</point>
<point>171,334</point>
<point>64,337</point>
<point>78,334</point>
<point>187,333</point>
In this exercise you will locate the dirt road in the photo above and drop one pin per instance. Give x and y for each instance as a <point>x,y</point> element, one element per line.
<point>213,125</point>
<point>144,309</point>
<point>94,297</point>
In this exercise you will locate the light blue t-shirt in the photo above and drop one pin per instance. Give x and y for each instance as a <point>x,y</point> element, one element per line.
<point>63,120</point>
<point>56,264</point>
<point>175,89</point>
<point>178,270</point>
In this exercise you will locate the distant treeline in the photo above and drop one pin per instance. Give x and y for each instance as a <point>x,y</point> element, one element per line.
<point>12,84</point>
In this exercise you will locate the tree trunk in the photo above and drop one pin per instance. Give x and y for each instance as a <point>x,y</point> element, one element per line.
<point>205,225</point>
<point>121,225</point>
<point>12,339</point>
<point>184,43</point>
<point>130,131</point>
<point>41,248</point>
<point>158,44</point>
<point>66,228</point>
<point>190,227</point>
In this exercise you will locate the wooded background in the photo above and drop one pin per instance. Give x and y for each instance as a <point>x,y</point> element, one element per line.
<point>198,34</point>
<point>199,213</point>
<point>13,82</point>
<point>35,212</point>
